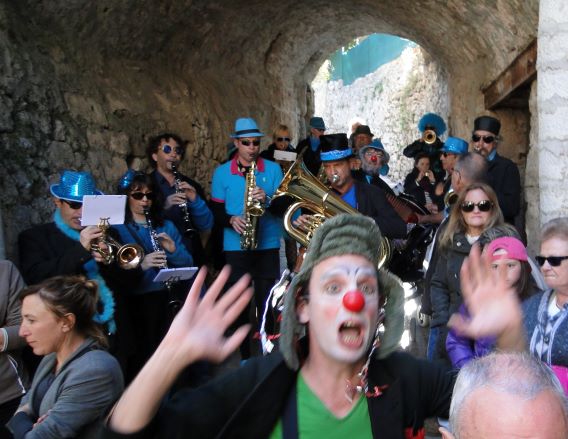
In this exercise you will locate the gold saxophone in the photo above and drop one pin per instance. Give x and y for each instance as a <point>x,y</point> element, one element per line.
<point>252,212</point>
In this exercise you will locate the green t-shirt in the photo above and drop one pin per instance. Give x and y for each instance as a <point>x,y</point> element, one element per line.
<point>316,421</point>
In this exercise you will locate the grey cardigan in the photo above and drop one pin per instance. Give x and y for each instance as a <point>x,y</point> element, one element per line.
<point>13,380</point>
<point>81,394</point>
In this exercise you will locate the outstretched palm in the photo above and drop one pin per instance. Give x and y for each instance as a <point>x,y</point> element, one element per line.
<point>493,305</point>
<point>198,331</point>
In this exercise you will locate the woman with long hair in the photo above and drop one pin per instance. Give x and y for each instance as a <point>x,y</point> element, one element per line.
<point>77,380</point>
<point>475,211</point>
<point>147,303</point>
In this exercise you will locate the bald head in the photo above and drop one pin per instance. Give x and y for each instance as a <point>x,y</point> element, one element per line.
<point>508,396</point>
<point>470,167</point>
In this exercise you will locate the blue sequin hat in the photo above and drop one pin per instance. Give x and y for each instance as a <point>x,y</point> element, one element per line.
<point>455,145</point>
<point>246,127</point>
<point>334,147</point>
<point>73,185</point>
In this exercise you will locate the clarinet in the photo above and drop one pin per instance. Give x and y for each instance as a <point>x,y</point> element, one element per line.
<point>156,246</point>
<point>188,225</point>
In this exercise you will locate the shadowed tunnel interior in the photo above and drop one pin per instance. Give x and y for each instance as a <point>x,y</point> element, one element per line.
<point>85,83</point>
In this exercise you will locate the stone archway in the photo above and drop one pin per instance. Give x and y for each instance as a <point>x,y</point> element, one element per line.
<point>86,82</point>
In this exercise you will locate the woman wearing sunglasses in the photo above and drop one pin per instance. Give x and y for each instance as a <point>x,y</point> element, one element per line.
<point>146,304</point>
<point>280,141</point>
<point>546,314</point>
<point>475,211</point>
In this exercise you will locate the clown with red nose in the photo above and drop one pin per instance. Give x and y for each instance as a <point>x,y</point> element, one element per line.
<point>374,159</point>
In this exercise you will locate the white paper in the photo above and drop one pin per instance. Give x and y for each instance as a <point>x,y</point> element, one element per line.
<point>96,207</point>
<point>285,156</point>
<point>175,274</point>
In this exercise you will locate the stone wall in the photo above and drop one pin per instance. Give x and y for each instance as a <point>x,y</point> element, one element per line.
<point>390,100</point>
<point>552,148</point>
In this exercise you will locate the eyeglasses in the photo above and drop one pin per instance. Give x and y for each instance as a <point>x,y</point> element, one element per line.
<point>483,206</point>
<point>248,142</point>
<point>75,205</point>
<point>486,139</point>
<point>554,261</point>
<point>283,139</point>
<point>168,149</point>
<point>139,195</point>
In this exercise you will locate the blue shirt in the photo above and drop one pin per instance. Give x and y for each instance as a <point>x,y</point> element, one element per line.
<point>179,258</point>
<point>349,197</point>
<point>314,143</point>
<point>229,187</point>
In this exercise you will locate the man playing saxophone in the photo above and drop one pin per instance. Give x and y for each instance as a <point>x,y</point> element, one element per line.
<point>231,212</point>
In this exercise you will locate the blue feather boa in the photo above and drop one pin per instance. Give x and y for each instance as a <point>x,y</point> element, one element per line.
<point>92,270</point>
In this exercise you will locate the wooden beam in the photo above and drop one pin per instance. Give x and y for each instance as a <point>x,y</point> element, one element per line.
<point>518,74</point>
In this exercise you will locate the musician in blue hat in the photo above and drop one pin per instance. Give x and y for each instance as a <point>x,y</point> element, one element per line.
<point>63,246</point>
<point>258,254</point>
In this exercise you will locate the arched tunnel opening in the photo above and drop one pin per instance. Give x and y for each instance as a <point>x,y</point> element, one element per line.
<point>85,84</point>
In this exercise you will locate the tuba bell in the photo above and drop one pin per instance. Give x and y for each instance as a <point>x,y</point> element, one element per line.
<point>312,195</point>
<point>128,256</point>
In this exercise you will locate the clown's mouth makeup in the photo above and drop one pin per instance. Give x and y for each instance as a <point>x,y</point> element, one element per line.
<point>351,334</point>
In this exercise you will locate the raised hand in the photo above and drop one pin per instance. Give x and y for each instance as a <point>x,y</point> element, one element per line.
<point>198,331</point>
<point>494,307</point>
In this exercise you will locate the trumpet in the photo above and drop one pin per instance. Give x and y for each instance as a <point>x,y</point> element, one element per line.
<point>429,137</point>
<point>450,198</point>
<point>127,256</point>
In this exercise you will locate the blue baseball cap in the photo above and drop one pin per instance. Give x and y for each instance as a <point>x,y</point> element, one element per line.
<point>455,145</point>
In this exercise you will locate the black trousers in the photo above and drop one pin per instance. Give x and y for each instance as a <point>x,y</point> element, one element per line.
<point>264,268</point>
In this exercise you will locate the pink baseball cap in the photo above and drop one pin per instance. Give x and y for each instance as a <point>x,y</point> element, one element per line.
<point>515,249</point>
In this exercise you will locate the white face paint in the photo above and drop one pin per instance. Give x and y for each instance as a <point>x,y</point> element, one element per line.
<point>337,333</point>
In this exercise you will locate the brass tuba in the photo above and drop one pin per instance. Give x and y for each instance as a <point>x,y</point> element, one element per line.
<point>253,210</point>
<point>312,195</point>
<point>128,256</point>
<point>429,137</point>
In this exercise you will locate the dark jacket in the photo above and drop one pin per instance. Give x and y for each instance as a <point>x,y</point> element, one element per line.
<point>371,201</point>
<point>311,159</point>
<point>503,176</point>
<point>375,180</point>
<point>248,402</point>
<point>445,291</point>
<point>418,189</point>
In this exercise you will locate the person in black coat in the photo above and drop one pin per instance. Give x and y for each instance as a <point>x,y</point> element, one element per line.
<point>502,175</point>
<point>309,147</point>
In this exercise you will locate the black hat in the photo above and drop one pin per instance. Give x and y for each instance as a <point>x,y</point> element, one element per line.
<point>334,147</point>
<point>487,123</point>
<point>363,129</point>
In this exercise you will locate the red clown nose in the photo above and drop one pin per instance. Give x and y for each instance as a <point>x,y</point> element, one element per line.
<point>354,301</point>
<point>374,159</point>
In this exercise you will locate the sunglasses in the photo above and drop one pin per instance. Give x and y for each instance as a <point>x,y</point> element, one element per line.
<point>248,142</point>
<point>75,205</point>
<point>486,139</point>
<point>139,195</point>
<point>483,206</point>
<point>554,261</point>
<point>283,139</point>
<point>168,149</point>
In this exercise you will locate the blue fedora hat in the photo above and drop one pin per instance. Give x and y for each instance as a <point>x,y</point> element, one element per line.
<point>73,185</point>
<point>317,123</point>
<point>455,145</point>
<point>246,127</point>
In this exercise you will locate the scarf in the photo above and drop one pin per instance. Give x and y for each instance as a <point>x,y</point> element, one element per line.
<point>92,270</point>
